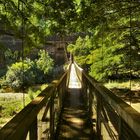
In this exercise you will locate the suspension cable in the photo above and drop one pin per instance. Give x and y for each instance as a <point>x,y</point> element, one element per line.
<point>22,49</point>
<point>102,53</point>
<point>130,53</point>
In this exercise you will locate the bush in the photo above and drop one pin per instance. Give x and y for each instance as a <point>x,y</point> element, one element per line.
<point>44,67</point>
<point>45,63</point>
<point>3,72</point>
<point>32,93</point>
<point>27,73</point>
<point>20,75</point>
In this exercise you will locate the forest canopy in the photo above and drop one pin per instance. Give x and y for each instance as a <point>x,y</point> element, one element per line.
<point>111,50</point>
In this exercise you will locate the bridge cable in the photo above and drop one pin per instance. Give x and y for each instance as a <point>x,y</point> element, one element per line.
<point>22,48</point>
<point>102,53</point>
<point>130,54</point>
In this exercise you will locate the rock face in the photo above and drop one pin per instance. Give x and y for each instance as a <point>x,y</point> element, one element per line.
<point>55,46</point>
<point>8,42</point>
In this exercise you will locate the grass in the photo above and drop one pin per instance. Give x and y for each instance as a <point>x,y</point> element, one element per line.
<point>121,84</point>
<point>111,85</point>
<point>33,92</point>
<point>125,88</point>
<point>122,90</point>
<point>9,107</point>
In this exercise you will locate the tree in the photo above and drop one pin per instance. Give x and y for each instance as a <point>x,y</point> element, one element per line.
<point>81,49</point>
<point>114,26</point>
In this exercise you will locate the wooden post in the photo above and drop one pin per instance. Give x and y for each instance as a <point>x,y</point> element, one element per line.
<point>60,98</point>
<point>52,117</point>
<point>99,109</point>
<point>90,101</point>
<point>120,128</point>
<point>33,130</point>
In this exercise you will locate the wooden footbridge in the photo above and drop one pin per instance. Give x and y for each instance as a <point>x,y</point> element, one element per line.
<point>76,107</point>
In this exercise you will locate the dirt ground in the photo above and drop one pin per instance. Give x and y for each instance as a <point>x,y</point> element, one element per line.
<point>130,97</point>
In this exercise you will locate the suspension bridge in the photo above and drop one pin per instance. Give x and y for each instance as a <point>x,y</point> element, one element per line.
<point>75,107</point>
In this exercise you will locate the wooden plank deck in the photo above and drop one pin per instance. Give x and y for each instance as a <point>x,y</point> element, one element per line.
<point>75,123</point>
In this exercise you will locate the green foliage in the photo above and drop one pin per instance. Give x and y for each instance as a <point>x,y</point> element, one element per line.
<point>22,17</point>
<point>114,50</point>
<point>10,107</point>
<point>12,110</point>
<point>110,53</point>
<point>44,63</point>
<point>43,87</point>
<point>20,75</point>
<point>115,37</point>
<point>10,56</point>
<point>32,93</point>
<point>81,49</point>
<point>44,67</point>
<point>27,73</point>
<point>2,72</point>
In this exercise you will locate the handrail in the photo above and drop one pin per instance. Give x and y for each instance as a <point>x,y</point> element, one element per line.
<point>19,125</point>
<point>26,120</point>
<point>109,106</point>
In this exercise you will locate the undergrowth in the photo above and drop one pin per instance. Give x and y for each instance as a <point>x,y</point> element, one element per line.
<point>9,107</point>
<point>123,84</point>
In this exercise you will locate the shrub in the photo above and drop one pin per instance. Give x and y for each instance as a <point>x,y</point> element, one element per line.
<point>20,75</point>
<point>27,73</point>
<point>32,93</point>
<point>44,63</point>
<point>3,72</point>
<point>44,67</point>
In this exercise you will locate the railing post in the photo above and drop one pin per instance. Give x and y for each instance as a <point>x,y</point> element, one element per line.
<point>52,117</point>
<point>68,76</point>
<point>99,109</point>
<point>120,128</point>
<point>60,98</point>
<point>90,101</point>
<point>33,130</point>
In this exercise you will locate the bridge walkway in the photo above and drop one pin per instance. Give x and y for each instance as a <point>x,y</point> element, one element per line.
<point>75,123</point>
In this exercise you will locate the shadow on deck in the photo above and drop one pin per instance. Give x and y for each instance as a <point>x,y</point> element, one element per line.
<point>75,123</point>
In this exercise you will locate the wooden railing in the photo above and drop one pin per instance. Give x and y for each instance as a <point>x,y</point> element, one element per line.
<point>44,110</point>
<point>114,119</point>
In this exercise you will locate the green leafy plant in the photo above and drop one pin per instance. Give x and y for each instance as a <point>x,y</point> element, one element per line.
<point>27,73</point>
<point>44,65</point>
<point>20,75</point>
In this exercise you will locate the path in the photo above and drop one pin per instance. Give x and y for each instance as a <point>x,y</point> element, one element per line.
<point>75,123</point>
